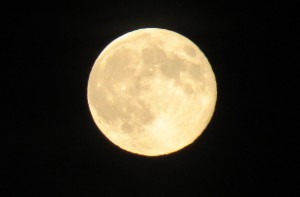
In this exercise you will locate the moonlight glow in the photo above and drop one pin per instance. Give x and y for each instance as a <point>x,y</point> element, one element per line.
<point>152,92</point>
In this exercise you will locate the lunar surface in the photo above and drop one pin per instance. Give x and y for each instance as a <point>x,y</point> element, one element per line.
<point>152,92</point>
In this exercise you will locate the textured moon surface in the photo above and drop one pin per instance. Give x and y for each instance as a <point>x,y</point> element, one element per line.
<point>152,92</point>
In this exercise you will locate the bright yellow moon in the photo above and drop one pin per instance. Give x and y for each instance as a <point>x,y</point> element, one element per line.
<point>152,92</point>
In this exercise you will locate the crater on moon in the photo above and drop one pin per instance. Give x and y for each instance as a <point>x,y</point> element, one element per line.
<point>152,92</point>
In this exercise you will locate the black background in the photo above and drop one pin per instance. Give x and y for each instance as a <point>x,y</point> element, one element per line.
<point>53,148</point>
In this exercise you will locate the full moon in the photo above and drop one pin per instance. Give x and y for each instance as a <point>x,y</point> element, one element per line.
<point>152,92</point>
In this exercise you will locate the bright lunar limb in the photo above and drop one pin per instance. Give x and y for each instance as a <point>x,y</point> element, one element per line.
<point>152,92</point>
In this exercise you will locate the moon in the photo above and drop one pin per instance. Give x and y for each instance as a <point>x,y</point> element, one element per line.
<point>152,92</point>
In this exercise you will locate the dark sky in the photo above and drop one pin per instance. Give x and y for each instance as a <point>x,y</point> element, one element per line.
<point>53,148</point>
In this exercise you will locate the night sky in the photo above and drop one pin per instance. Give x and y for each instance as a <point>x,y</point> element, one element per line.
<point>52,146</point>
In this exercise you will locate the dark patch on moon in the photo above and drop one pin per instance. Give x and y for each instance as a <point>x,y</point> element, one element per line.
<point>153,56</point>
<point>172,67</point>
<point>169,66</point>
<point>118,64</point>
<point>190,51</point>
<point>127,128</point>
<point>188,89</point>
<point>197,71</point>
